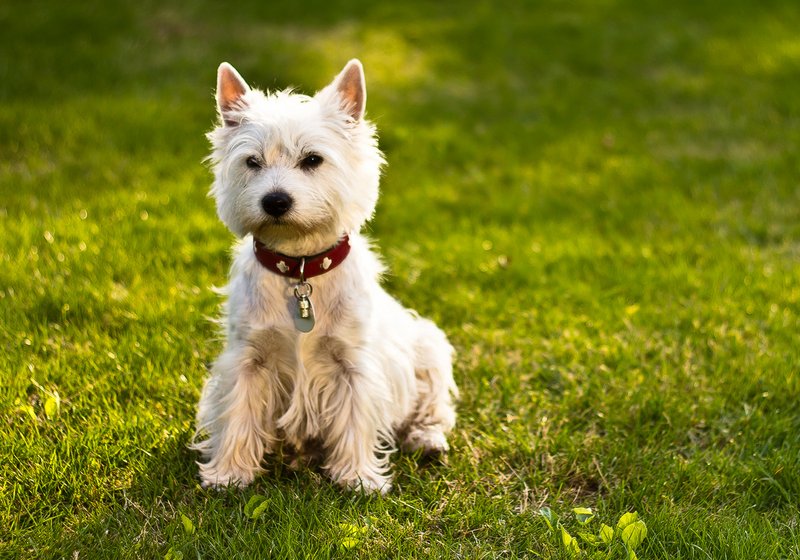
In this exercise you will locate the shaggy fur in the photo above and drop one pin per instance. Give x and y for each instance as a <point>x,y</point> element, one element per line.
<point>370,372</point>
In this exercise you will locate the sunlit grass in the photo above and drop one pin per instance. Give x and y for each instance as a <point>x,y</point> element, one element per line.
<point>599,203</point>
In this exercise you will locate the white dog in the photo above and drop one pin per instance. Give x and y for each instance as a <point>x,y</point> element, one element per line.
<point>317,353</point>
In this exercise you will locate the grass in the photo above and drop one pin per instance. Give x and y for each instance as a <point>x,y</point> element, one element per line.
<point>599,202</point>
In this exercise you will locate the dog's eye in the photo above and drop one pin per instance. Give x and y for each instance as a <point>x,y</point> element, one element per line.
<point>311,161</point>
<point>253,163</point>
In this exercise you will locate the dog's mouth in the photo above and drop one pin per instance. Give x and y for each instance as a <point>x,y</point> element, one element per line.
<point>285,225</point>
<point>290,235</point>
<point>288,227</point>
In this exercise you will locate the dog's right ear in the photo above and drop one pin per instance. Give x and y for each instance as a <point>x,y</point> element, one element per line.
<point>231,87</point>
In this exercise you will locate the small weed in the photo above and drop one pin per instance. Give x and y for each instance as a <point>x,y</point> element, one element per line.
<point>597,540</point>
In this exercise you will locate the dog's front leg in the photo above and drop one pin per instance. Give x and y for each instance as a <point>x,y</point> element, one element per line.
<point>237,412</point>
<point>355,407</point>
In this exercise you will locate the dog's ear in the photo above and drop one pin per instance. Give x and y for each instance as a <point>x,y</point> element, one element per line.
<point>350,89</point>
<point>230,89</point>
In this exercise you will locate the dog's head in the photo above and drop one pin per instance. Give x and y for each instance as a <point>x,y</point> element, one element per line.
<point>296,172</point>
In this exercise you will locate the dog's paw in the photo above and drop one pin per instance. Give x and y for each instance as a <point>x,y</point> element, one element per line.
<point>368,484</point>
<point>431,442</point>
<point>217,479</point>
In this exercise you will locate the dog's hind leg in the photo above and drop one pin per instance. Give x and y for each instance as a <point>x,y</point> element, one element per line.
<point>434,414</point>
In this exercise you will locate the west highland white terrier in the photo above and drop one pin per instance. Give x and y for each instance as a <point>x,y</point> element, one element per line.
<point>318,357</point>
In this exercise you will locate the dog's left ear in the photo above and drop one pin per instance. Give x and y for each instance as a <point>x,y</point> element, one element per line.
<point>231,87</point>
<point>350,89</point>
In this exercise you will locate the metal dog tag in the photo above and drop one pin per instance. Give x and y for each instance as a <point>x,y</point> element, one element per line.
<point>304,314</point>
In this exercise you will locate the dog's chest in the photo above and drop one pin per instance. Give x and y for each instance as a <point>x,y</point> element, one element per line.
<point>311,372</point>
<point>303,362</point>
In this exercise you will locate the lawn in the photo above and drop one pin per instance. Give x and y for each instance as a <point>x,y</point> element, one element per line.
<point>598,201</point>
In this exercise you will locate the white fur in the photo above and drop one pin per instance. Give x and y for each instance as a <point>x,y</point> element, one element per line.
<point>370,371</point>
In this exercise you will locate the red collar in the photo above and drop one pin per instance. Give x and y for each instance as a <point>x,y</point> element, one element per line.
<point>314,265</point>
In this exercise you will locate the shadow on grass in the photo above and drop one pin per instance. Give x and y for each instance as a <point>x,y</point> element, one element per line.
<point>166,509</point>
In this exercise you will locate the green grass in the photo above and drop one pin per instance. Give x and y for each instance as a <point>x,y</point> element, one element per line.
<point>598,201</point>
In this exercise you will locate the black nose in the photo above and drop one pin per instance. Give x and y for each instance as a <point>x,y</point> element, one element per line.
<point>276,204</point>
